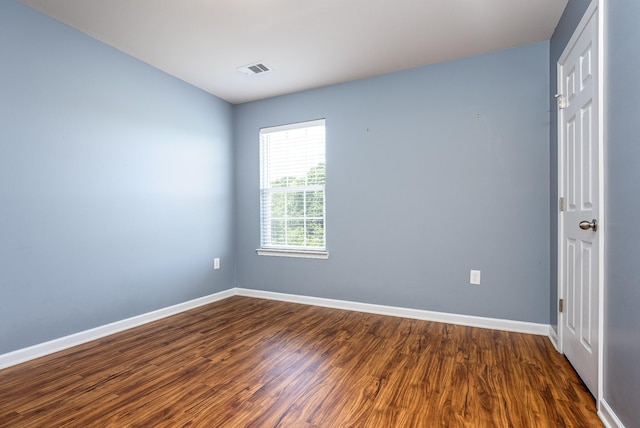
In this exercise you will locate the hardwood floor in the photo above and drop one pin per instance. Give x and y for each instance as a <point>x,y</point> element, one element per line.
<point>245,362</point>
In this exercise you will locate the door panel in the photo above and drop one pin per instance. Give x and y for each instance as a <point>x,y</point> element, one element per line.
<point>580,181</point>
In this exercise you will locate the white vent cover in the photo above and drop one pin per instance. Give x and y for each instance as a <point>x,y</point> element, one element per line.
<point>254,69</point>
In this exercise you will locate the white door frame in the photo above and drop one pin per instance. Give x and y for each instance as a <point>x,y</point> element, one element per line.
<point>597,8</point>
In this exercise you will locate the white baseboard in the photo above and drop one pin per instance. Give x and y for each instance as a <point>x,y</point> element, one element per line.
<point>468,320</point>
<point>42,349</point>
<point>608,416</point>
<point>46,348</point>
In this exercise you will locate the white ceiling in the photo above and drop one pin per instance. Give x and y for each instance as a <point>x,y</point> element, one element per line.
<point>308,43</point>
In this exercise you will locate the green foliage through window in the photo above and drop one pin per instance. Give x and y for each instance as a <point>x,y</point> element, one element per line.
<point>297,215</point>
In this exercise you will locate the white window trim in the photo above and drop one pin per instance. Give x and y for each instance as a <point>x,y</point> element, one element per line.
<point>289,126</point>
<point>303,254</point>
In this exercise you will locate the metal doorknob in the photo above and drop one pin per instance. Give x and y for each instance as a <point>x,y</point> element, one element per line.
<point>586,225</point>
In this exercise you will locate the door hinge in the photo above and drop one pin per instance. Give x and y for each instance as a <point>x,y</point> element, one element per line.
<point>561,305</point>
<point>561,203</point>
<point>560,98</point>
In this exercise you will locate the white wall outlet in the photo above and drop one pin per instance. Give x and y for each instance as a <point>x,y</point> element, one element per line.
<point>474,277</point>
<point>216,263</point>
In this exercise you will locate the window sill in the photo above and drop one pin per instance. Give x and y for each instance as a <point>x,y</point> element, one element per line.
<point>303,254</point>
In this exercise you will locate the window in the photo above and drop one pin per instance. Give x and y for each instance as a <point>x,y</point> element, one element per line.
<point>292,190</point>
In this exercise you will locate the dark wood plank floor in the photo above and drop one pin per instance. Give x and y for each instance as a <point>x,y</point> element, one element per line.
<point>245,362</point>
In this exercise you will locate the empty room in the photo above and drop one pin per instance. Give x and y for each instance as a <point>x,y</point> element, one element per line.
<point>279,213</point>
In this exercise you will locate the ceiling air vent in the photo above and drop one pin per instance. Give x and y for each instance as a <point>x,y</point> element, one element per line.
<point>254,69</point>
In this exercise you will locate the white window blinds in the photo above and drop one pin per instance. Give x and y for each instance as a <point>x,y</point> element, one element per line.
<point>292,186</point>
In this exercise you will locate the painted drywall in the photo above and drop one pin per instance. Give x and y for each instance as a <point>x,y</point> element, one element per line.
<point>622,282</point>
<point>431,172</point>
<point>116,185</point>
<point>568,22</point>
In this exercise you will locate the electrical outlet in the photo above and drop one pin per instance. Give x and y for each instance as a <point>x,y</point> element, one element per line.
<point>474,277</point>
<point>216,263</point>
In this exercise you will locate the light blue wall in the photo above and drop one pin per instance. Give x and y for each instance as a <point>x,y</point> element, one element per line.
<point>431,172</point>
<point>622,282</point>
<point>568,22</point>
<point>116,189</point>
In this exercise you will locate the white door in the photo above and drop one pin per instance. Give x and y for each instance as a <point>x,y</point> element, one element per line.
<point>579,158</point>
